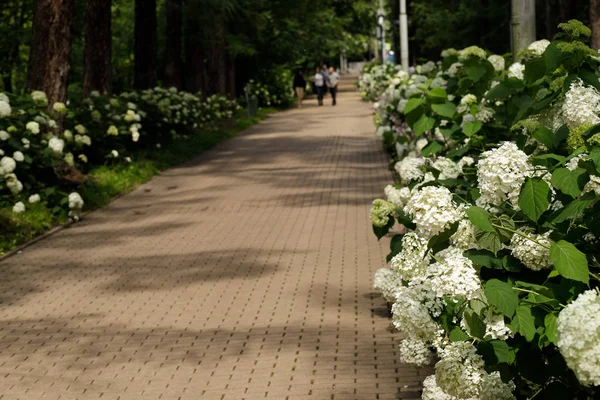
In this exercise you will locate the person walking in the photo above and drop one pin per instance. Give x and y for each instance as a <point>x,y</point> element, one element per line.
<point>333,79</point>
<point>319,81</point>
<point>299,87</point>
<point>325,73</point>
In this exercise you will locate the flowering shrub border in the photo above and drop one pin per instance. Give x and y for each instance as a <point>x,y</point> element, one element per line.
<point>497,271</point>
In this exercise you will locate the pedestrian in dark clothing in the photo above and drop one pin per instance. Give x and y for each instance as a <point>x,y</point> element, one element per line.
<point>299,87</point>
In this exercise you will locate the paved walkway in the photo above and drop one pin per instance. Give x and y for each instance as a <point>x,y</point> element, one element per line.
<point>245,274</point>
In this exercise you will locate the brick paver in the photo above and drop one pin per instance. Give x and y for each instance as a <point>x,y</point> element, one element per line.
<point>244,274</point>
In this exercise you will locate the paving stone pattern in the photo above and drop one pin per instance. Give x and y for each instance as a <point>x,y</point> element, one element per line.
<point>245,274</point>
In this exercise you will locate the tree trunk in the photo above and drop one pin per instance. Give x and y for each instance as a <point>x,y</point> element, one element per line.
<point>145,44</point>
<point>566,10</point>
<point>523,24</point>
<point>98,47</point>
<point>595,23</point>
<point>195,69</point>
<point>231,86</point>
<point>49,60</point>
<point>551,20</point>
<point>173,65</point>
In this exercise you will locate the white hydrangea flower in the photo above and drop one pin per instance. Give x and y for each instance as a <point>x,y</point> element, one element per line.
<point>464,237</point>
<point>433,210</point>
<point>410,169</point>
<point>7,165</point>
<point>578,331</point>
<point>484,114</point>
<point>454,68</point>
<point>431,390</point>
<point>387,282</point>
<point>69,159</point>
<point>19,208</point>
<point>501,173</point>
<point>411,315</point>
<point>493,388</point>
<point>398,197</point>
<point>449,52</point>
<point>25,142</point>
<point>498,62</point>
<point>5,109</point>
<point>581,105</point>
<point>468,99</point>
<point>75,205</point>
<point>448,168</point>
<point>533,255</point>
<point>380,212</point>
<point>114,153</point>
<point>68,135</point>
<point>18,156</point>
<point>4,98</point>
<point>414,257</point>
<point>415,352</point>
<point>516,70</point>
<point>83,158</point>
<point>56,144</point>
<point>465,161</point>
<point>33,127</point>
<point>13,183</point>
<point>495,327</point>
<point>539,47</point>
<point>439,82</point>
<point>4,135</point>
<point>421,143</point>
<point>52,124</point>
<point>454,275</point>
<point>460,370</point>
<point>471,51</point>
<point>34,198</point>
<point>112,131</point>
<point>39,97</point>
<point>80,129</point>
<point>60,108</point>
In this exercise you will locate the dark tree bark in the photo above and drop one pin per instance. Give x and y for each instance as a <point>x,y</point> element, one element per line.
<point>551,18</point>
<point>218,61</point>
<point>195,68</point>
<point>173,65</point>
<point>231,84</point>
<point>595,23</point>
<point>567,8</point>
<point>49,61</point>
<point>98,47</point>
<point>145,44</point>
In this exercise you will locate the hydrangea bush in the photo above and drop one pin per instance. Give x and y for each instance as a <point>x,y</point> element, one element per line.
<point>497,268</point>
<point>47,150</point>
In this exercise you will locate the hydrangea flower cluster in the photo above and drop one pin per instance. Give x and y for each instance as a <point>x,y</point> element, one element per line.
<point>415,352</point>
<point>578,330</point>
<point>414,257</point>
<point>501,173</point>
<point>517,70</point>
<point>381,212</point>
<point>433,210</point>
<point>531,249</point>
<point>386,281</point>
<point>410,169</point>
<point>581,105</point>
<point>453,275</point>
<point>398,197</point>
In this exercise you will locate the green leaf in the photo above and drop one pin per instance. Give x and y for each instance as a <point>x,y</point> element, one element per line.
<point>413,104</point>
<point>547,160</point>
<point>472,128</point>
<point>499,92</point>
<point>475,73</point>
<point>575,208</point>
<point>534,70</point>
<point>383,230</point>
<point>480,219</point>
<point>569,261</point>
<point>445,109</point>
<point>489,241</point>
<point>437,94</point>
<point>595,157</point>
<point>570,182</point>
<point>550,324</point>
<point>432,148</point>
<point>496,352</point>
<point>423,125</point>
<point>458,335</point>
<point>553,57</point>
<point>544,135</point>
<point>474,323</point>
<point>502,296</point>
<point>534,198</point>
<point>524,323</point>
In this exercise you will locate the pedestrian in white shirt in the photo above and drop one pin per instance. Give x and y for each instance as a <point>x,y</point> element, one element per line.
<point>319,81</point>
<point>333,79</point>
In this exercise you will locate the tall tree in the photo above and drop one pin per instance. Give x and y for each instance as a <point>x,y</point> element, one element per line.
<point>595,23</point>
<point>49,60</point>
<point>174,29</point>
<point>98,47</point>
<point>566,10</point>
<point>145,44</point>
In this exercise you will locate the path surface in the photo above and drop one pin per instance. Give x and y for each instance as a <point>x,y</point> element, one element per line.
<point>245,274</point>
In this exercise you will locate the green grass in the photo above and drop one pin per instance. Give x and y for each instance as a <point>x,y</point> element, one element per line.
<point>106,182</point>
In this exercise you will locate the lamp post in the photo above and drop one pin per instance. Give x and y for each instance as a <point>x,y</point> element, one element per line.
<point>403,36</point>
<point>381,29</point>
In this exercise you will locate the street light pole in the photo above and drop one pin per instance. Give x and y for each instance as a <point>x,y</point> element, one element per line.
<point>403,36</point>
<point>381,21</point>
